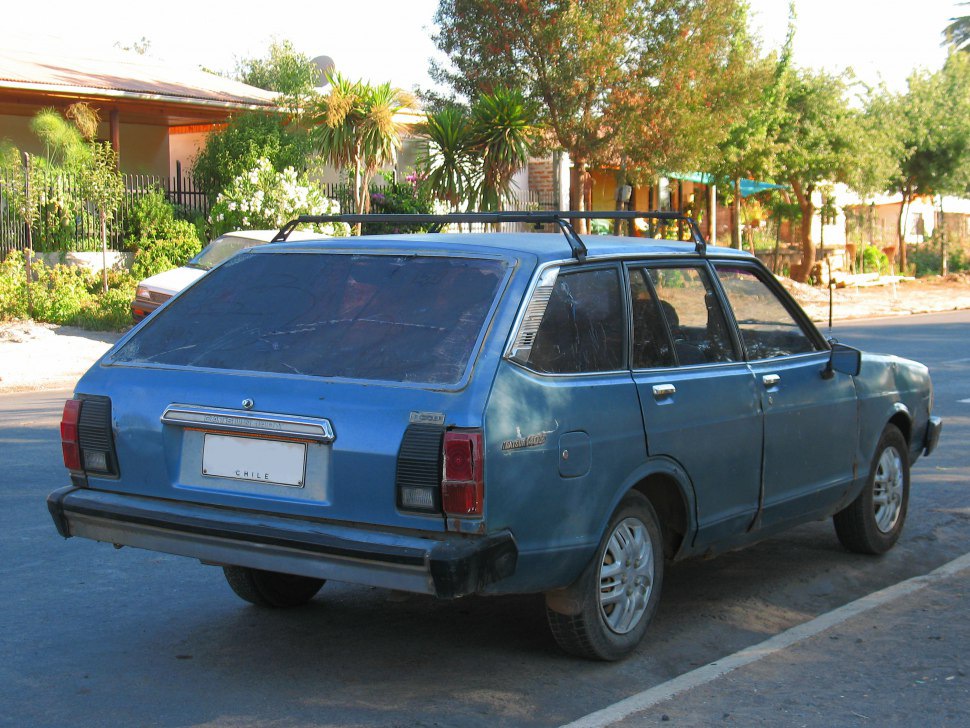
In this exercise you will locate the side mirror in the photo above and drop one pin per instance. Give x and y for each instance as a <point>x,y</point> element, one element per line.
<point>843,359</point>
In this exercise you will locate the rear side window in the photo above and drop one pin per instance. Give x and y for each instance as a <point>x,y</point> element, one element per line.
<point>582,328</point>
<point>693,315</point>
<point>380,317</point>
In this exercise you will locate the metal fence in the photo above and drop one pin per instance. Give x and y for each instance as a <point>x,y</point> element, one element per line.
<point>66,221</point>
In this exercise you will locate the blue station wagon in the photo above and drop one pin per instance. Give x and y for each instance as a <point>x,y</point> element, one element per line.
<point>487,413</point>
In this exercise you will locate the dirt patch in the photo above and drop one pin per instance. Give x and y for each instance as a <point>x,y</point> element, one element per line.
<point>45,356</point>
<point>887,298</point>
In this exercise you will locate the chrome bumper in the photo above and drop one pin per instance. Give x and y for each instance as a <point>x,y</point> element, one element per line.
<point>445,565</point>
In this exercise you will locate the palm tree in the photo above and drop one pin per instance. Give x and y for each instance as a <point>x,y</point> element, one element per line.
<point>957,33</point>
<point>449,162</point>
<point>503,132</point>
<point>357,129</point>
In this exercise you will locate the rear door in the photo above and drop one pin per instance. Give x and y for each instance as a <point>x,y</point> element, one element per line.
<point>699,400</point>
<point>811,420</point>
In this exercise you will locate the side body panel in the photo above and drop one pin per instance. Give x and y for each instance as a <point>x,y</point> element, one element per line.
<point>559,450</point>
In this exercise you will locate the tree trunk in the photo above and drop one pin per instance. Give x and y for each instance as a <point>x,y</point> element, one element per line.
<point>944,263</point>
<point>736,216</point>
<point>577,194</point>
<point>801,272</point>
<point>104,251</point>
<point>901,231</point>
<point>28,236</point>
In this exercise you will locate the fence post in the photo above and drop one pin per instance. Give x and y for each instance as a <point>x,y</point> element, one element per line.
<point>178,182</point>
<point>29,250</point>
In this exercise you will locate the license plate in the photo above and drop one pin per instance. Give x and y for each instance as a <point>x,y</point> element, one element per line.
<point>254,459</point>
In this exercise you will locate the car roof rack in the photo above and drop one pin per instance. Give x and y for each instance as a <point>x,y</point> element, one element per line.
<point>561,218</point>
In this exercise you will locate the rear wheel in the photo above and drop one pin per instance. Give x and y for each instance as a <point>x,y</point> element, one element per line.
<point>270,588</point>
<point>872,523</point>
<point>618,593</point>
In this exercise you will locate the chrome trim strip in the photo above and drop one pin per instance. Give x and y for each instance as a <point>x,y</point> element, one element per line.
<point>260,423</point>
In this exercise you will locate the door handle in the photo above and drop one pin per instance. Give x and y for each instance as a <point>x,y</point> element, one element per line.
<point>662,391</point>
<point>770,380</point>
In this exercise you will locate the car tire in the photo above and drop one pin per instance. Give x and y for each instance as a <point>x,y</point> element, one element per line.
<point>270,588</point>
<point>618,592</point>
<point>872,523</point>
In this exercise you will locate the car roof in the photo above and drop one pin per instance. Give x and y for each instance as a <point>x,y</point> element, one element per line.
<point>546,247</point>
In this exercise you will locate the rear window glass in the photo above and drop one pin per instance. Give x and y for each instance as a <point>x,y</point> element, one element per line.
<point>390,318</point>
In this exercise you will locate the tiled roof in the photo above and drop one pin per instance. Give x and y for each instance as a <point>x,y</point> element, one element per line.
<point>121,74</point>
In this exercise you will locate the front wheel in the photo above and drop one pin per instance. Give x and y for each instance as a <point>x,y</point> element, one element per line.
<point>618,593</point>
<point>270,588</point>
<point>872,523</point>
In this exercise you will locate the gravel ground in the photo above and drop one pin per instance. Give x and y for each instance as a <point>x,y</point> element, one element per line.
<point>45,356</point>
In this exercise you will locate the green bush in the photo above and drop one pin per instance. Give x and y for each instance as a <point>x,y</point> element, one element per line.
<point>873,260</point>
<point>410,197</point>
<point>926,260</point>
<point>151,216</point>
<point>65,295</point>
<point>13,288</point>
<point>156,255</point>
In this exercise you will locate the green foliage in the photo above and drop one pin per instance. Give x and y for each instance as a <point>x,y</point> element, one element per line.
<point>449,164</point>
<point>231,151</point>
<point>355,129</point>
<point>873,260</point>
<point>151,216</point>
<point>957,32</point>
<point>473,154</point>
<point>65,295</point>
<point>644,84</point>
<point>926,260</point>
<point>263,198</point>
<point>172,247</point>
<point>411,197</point>
<point>291,74</point>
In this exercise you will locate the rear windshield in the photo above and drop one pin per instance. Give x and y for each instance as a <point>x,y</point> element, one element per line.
<point>381,317</point>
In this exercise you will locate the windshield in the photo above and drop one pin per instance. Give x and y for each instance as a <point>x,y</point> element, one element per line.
<point>382,317</point>
<point>221,249</point>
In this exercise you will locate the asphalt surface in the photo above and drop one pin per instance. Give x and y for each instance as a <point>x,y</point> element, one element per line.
<point>92,636</point>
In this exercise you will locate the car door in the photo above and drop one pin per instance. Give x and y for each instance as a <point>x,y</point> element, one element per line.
<point>699,400</point>
<point>811,420</point>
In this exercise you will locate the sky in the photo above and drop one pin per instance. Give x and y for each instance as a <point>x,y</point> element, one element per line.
<point>389,40</point>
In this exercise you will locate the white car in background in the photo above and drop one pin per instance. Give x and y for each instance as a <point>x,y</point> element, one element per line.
<point>157,289</point>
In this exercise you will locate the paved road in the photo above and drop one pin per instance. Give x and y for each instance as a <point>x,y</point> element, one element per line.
<point>91,636</point>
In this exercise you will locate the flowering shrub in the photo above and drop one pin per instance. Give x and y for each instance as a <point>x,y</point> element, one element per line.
<point>263,198</point>
<point>411,197</point>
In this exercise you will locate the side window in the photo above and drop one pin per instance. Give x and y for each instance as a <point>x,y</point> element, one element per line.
<point>651,343</point>
<point>582,328</point>
<point>693,315</point>
<point>768,329</point>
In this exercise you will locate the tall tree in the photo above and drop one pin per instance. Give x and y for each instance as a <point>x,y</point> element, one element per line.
<point>645,81</point>
<point>501,135</point>
<point>926,135</point>
<point>449,161</point>
<point>293,75</point>
<point>957,32</point>
<point>750,146</point>
<point>356,129</point>
<point>818,141</point>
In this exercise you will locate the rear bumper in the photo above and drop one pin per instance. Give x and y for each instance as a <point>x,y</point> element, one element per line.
<point>445,565</point>
<point>933,428</point>
<point>140,309</point>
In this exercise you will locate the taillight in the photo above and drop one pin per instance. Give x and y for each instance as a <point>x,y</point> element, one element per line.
<point>86,438</point>
<point>462,482</point>
<point>70,443</point>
